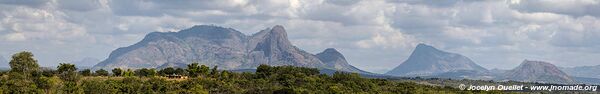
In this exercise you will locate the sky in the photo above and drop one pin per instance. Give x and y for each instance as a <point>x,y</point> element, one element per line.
<point>374,35</point>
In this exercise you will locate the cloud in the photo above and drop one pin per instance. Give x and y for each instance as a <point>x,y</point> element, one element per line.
<point>175,8</point>
<point>576,8</point>
<point>30,3</point>
<point>15,37</point>
<point>342,2</point>
<point>79,5</point>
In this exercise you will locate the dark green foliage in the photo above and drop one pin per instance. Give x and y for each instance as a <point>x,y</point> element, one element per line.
<point>65,67</point>
<point>214,72</point>
<point>204,70</point>
<point>117,72</point>
<point>49,73</point>
<point>128,73</point>
<point>180,71</point>
<point>23,62</point>
<point>167,71</point>
<point>144,72</point>
<point>86,72</point>
<point>194,70</point>
<point>101,72</point>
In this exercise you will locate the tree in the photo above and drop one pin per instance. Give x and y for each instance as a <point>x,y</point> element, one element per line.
<point>49,72</point>
<point>48,84</point>
<point>167,71</point>
<point>23,62</point>
<point>23,68</point>
<point>180,71</point>
<point>117,72</point>
<point>193,70</point>
<point>86,72</point>
<point>214,72</point>
<point>128,73</point>
<point>66,67</point>
<point>20,84</point>
<point>204,70</point>
<point>263,71</point>
<point>145,72</point>
<point>101,72</point>
<point>67,72</point>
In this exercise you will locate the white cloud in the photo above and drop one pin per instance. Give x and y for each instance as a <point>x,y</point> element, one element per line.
<point>576,8</point>
<point>15,37</point>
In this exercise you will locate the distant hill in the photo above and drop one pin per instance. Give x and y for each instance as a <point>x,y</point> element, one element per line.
<point>226,48</point>
<point>334,59</point>
<point>426,60</point>
<point>87,62</point>
<point>538,71</point>
<point>583,71</point>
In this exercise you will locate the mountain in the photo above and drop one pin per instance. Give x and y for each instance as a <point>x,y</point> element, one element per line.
<point>583,71</point>
<point>86,62</point>
<point>209,45</point>
<point>426,60</point>
<point>538,71</point>
<point>334,59</point>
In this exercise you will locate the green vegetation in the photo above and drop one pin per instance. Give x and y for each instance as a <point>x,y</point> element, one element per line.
<point>26,77</point>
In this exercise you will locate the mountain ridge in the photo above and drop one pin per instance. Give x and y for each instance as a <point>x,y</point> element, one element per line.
<point>226,48</point>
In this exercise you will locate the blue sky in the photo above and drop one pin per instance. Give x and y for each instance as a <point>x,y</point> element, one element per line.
<point>374,35</point>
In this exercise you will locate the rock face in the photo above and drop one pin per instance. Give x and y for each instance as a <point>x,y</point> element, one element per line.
<point>583,71</point>
<point>272,47</point>
<point>334,59</point>
<point>427,61</point>
<point>538,71</point>
<point>213,46</point>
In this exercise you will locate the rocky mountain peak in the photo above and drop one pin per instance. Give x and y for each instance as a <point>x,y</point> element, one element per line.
<point>331,50</point>
<point>334,59</point>
<point>279,30</point>
<point>424,49</point>
<point>539,64</point>
<point>427,60</point>
<point>538,71</point>
<point>330,54</point>
<point>271,41</point>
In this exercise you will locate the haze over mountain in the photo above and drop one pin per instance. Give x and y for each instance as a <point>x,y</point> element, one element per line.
<point>583,71</point>
<point>226,48</point>
<point>86,62</point>
<point>426,60</point>
<point>538,71</point>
